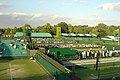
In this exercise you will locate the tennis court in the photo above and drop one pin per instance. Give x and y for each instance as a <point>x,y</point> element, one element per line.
<point>22,69</point>
<point>106,70</point>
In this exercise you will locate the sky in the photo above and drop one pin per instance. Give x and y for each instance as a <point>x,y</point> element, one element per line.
<point>76,12</point>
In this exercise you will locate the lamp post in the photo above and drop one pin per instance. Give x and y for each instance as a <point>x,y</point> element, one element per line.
<point>97,64</point>
<point>118,36</point>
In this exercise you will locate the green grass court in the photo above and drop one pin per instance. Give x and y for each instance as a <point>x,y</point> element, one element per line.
<point>106,70</point>
<point>22,69</point>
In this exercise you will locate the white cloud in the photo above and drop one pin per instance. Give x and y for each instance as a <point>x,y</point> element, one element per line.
<point>67,3</point>
<point>80,1</point>
<point>34,19</point>
<point>110,6</point>
<point>94,21</point>
<point>4,5</point>
<point>71,2</point>
<point>43,1</point>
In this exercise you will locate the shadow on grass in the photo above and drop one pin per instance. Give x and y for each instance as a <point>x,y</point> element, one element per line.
<point>76,67</point>
<point>39,77</point>
<point>6,59</point>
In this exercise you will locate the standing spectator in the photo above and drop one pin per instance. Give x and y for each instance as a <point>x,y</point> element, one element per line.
<point>80,55</point>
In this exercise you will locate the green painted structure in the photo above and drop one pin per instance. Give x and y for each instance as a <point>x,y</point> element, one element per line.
<point>55,69</point>
<point>34,35</point>
<point>27,36</point>
<point>62,53</point>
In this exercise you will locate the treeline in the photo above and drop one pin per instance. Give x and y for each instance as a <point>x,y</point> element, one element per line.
<point>100,30</point>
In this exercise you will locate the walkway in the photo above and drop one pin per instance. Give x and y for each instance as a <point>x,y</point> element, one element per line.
<point>91,61</point>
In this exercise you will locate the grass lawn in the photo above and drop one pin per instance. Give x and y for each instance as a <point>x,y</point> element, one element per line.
<point>104,72</point>
<point>22,69</point>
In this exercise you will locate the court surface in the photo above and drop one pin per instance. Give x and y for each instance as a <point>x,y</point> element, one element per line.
<point>22,69</point>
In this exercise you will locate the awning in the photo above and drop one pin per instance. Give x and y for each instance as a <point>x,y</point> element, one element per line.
<point>77,35</point>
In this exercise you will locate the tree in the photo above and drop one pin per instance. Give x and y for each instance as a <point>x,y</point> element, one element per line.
<point>14,30</point>
<point>47,28</point>
<point>101,25</point>
<point>8,31</point>
<point>82,29</point>
<point>2,31</point>
<point>38,29</point>
<point>101,33</point>
<point>112,29</point>
<point>19,29</point>
<point>64,27</point>
<point>77,29</point>
<point>70,28</point>
<point>53,31</point>
<point>94,31</point>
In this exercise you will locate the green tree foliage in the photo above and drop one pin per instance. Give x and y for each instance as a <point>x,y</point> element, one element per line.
<point>77,29</point>
<point>2,31</point>
<point>100,30</point>
<point>64,27</point>
<point>101,25</point>
<point>13,31</point>
<point>112,29</point>
<point>82,29</point>
<point>7,31</point>
<point>47,28</point>
<point>94,31</point>
<point>53,31</point>
<point>38,29</point>
<point>70,28</point>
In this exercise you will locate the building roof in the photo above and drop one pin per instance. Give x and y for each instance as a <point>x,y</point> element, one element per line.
<point>41,35</point>
<point>77,35</point>
<point>19,34</point>
<point>110,38</point>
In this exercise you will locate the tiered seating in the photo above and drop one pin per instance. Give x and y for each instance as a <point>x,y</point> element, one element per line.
<point>17,49</point>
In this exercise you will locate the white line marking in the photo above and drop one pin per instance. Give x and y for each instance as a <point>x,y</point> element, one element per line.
<point>11,77</point>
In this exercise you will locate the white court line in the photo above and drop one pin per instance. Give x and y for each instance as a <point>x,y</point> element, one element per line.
<point>11,77</point>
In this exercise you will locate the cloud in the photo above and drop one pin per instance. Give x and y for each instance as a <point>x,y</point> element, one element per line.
<point>4,5</point>
<point>94,21</point>
<point>34,19</point>
<point>110,6</point>
<point>67,3</point>
<point>71,2</point>
<point>43,1</point>
<point>81,1</point>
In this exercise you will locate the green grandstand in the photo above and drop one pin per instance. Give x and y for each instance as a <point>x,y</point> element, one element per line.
<point>16,50</point>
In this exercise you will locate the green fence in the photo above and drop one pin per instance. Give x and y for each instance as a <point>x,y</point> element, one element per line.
<point>53,67</point>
